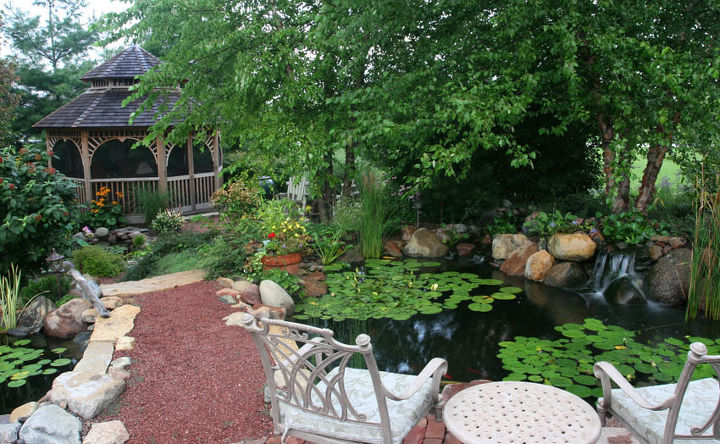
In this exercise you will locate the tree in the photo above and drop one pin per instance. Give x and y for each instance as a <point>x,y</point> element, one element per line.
<point>8,97</point>
<point>51,56</point>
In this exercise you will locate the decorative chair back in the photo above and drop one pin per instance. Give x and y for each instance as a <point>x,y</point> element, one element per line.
<point>297,190</point>
<point>696,356</point>
<point>314,373</point>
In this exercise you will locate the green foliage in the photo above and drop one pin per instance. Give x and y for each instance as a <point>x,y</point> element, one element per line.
<point>375,217</point>
<point>64,299</point>
<point>36,208</point>
<point>287,237</point>
<point>98,262</point>
<point>46,286</point>
<point>347,215</point>
<point>105,210</point>
<point>19,363</point>
<point>568,362</point>
<point>547,224</point>
<point>704,291</point>
<point>281,277</point>
<point>51,53</point>
<point>8,100</point>
<point>327,244</point>
<point>9,298</point>
<point>167,244</point>
<point>139,241</point>
<point>504,223</point>
<point>242,196</point>
<point>397,290</point>
<point>168,221</point>
<point>152,202</point>
<point>631,227</point>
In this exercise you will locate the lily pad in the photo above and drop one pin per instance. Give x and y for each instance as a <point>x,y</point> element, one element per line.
<point>17,383</point>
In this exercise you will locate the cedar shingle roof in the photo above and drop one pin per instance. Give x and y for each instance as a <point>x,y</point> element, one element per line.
<point>102,108</point>
<point>131,62</point>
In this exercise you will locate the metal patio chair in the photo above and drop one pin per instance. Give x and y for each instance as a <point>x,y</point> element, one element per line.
<point>315,395</point>
<point>664,413</point>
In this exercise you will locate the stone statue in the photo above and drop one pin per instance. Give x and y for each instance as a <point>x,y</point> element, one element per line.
<point>88,290</point>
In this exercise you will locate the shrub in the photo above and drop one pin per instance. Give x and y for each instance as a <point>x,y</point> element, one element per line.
<point>98,262</point>
<point>47,286</point>
<point>105,210</point>
<point>152,202</point>
<point>167,244</point>
<point>139,241</point>
<point>167,221</point>
<point>631,227</point>
<point>547,224</point>
<point>504,223</point>
<point>376,215</point>
<point>237,198</point>
<point>36,209</point>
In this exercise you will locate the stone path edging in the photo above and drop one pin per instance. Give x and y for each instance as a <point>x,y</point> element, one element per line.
<point>158,283</point>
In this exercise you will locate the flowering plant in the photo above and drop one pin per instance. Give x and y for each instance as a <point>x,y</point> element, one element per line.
<point>105,209</point>
<point>289,236</point>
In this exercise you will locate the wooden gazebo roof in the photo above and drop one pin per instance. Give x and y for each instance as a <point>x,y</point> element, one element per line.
<point>101,105</point>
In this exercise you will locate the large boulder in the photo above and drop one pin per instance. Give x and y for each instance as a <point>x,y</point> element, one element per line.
<point>274,295</point>
<point>538,266</point>
<point>31,318</point>
<point>9,432</point>
<point>66,321</point>
<point>669,278</point>
<point>576,247</point>
<point>50,424</point>
<point>566,275</point>
<point>514,265</point>
<point>504,244</point>
<point>425,243</point>
<point>624,291</point>
<point>85,393</point>
<point>391,247</point>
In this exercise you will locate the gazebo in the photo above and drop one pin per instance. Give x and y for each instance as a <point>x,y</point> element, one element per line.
<point>91,140</point>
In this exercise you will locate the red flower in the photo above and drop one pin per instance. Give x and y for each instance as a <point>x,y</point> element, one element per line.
<point>11,186</point>
<point>1,180</point>
<point>0,159</point>
<point>38,157</point>
<point>51,170</point>
<point>50,153</point>
<point>38,217</point>
<point>271,236</point>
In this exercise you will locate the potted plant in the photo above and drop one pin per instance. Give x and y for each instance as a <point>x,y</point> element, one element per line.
<point>285,246</point>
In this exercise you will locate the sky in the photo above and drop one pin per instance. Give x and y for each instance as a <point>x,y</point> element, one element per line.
<point>95,8</point>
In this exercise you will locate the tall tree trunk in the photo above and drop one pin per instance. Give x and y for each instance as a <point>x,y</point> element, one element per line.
<point>621,202</point>
<point>655,157</point>
<point>349,168</point>
<point>327,195</point>
<point>607,134</point>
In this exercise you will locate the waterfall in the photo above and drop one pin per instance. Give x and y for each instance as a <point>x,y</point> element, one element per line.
<point>615,278</point>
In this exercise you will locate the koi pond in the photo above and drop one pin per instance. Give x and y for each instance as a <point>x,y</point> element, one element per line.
<point>492,326</point>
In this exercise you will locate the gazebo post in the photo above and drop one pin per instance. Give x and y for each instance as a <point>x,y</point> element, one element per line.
<point>48,148</point>
<point>191,171</point>
<point>84,146</point>
<point>162,165</point>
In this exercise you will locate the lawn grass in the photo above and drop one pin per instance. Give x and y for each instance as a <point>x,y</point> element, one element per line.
<point>669,170</point>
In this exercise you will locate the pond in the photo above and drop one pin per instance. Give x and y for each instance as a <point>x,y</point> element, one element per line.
<point>469,340</point>
<point>39,359</point>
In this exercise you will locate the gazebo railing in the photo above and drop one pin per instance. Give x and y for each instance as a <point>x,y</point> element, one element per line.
<point>186,195</point>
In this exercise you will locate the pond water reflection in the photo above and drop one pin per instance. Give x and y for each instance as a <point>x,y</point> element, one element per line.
<point>469,340</point>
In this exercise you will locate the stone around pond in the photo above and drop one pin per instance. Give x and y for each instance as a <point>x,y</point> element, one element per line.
<point>66,321</point>
<point>274,295</point>
<point>464,249</point>
<point>85,394</point>
<point>391,247</point>
<point>31,318</point>
<point>538,266</point>
<point>51,424</point>
<point>514,265</point>
<point>102,233</point>
<point>9,432</point>
<point>504,244</point>
<point>20,414</point>
<point>111,432</point>
<point>623,291</point>
<point>576,247</point>
<point>669,277</point>
<point>425,244</point>
<point>566,275</point>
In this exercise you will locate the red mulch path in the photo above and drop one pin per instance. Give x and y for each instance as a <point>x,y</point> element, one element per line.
<point>194,379</point>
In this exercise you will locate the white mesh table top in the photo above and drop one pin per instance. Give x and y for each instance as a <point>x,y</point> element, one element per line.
<point>520,412</point>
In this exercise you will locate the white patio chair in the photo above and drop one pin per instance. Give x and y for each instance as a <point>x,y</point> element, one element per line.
<point>314,395</point>
<point>663,413</point>
<point>297,190</point>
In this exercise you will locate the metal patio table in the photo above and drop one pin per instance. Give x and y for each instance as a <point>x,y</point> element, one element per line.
<point>520,412</point>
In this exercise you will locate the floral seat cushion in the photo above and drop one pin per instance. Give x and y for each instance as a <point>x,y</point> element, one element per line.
<point>403,414</point>
<point>698,404</point>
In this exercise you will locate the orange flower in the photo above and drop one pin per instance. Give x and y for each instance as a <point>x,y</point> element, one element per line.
<point>119,194</point>
<point>114,202</point>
